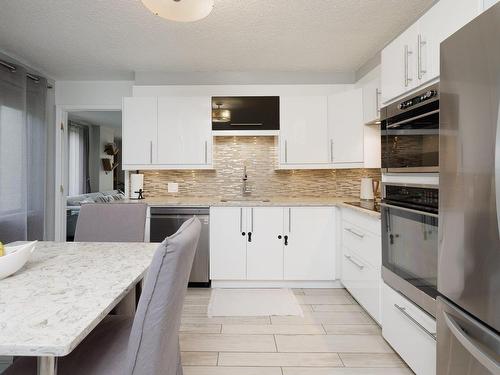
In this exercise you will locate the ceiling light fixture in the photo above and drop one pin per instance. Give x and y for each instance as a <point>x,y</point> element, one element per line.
<point>180,10</point>
<point>221,115</point>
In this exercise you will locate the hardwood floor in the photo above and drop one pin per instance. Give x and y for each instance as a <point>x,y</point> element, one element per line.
<point>335,337</point>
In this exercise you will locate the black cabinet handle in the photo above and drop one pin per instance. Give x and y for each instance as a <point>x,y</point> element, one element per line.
<point>243,233</point>
<point>249,236</point>
<point>286,240</point>
<point>279,236</point>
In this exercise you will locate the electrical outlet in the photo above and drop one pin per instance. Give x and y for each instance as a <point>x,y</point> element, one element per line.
<point>173,187</point>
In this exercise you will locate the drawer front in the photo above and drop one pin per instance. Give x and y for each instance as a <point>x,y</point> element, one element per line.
<point>362,242</point>
<point>408,329</point>
<point>365,221</point>
<point>363,282</point>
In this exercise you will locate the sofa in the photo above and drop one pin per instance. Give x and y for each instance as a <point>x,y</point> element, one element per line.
<point>74,202</point>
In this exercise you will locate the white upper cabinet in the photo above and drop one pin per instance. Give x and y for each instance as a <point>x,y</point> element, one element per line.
<point>309,251</point>
<point>139,126</point>
<point>371,99</point>
<point>304,132</point>
<point>345,123</point>
<point>412,59</point>
<point>184,131</point>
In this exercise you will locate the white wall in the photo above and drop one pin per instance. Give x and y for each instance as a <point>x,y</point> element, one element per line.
<point>92,93</point>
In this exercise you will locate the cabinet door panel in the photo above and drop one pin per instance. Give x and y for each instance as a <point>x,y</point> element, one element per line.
<point>227,244</point>
<point>139,131</point>
<point>184,130</point>
<point>310,253</point>
<point>345,121</point>
<point>304,130</point>
<point>265,250</point>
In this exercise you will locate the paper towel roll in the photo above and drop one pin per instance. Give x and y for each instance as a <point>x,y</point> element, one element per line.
<point>366,189</point>
<point>136,183</point>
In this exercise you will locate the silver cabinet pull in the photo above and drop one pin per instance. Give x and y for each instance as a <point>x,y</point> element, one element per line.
<point>151,152</point>
<point>360,235</point>
<point>350,259</point>
<point>377,101</point>
<point>421,43</point>
<point>407,53</point>
<point>414,321</point>
<point>470,344</point>
<point>241,219</point>
<point>331,150</point>
<point>286,151</point>
<point>206,152</point>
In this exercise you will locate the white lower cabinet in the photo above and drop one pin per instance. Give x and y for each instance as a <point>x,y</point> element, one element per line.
<point>272,243</point>
<point>362,260</point>
<point>410,331</point>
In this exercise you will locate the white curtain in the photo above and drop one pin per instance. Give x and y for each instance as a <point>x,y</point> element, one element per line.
<point>22,155</point>
<point>13,158</point>
<point>78,149</point>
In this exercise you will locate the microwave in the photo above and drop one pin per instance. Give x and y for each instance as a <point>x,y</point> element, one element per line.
<point>410,133</point>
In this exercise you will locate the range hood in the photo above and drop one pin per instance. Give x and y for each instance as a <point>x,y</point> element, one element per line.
<point>245,115</point>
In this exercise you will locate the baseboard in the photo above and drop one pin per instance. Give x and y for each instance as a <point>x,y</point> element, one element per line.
<point>276,284</point>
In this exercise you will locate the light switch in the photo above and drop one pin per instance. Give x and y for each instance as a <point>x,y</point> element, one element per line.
<point>173,187</point>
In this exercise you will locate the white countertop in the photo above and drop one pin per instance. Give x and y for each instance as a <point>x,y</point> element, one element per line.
<point>64,291</point>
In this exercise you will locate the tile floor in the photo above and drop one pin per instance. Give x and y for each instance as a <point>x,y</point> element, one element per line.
<point>335,337</point>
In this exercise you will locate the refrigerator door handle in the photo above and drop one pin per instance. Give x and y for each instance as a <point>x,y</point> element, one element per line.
<point>470,344</point>
<point>497,168</point>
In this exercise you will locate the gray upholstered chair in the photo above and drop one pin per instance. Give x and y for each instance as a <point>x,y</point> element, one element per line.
<point>111,222</point>
<point>148,344</point>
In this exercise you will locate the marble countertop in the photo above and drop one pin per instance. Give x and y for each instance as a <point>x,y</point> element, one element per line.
<point>66,288</point>
<point>253,202</point>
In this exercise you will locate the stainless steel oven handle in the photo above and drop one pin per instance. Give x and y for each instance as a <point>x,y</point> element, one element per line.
<point>413,320</point>
<point>396,124</point>
<point>408,210</point>
<point>349,258</point>
<point>469,343</point>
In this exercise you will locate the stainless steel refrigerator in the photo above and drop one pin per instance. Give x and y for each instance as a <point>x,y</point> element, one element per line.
<point>468,316</point>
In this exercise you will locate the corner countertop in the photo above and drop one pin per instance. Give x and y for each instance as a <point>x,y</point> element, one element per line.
<point>167,201</point>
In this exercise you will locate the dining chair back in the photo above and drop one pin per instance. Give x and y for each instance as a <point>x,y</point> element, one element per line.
<point>111,222</point>
<point>154,343</point>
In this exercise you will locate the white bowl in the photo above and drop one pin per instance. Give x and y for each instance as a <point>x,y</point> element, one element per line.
<point>15,257</point>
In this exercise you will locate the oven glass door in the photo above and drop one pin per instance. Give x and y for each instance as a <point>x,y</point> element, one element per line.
<point>410,246</point>
<point>411,145</point>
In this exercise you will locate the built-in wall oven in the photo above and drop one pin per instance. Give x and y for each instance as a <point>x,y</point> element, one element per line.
<point>410,242</point>
<point>410,133</point>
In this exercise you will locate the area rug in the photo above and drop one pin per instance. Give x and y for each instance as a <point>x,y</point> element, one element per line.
<point>253,302</point>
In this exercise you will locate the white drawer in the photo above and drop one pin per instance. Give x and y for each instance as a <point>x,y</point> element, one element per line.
<point>362,242</point>
<point>363,282</point>
<point>365,221</point>
<point>408,329</point>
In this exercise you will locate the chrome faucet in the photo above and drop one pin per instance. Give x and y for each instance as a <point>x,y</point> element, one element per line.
<point>245,190</point>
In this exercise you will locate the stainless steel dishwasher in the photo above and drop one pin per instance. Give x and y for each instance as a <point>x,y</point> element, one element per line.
<point>165,221</point>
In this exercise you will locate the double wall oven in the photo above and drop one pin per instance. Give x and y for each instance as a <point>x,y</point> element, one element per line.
<point>410,133</point>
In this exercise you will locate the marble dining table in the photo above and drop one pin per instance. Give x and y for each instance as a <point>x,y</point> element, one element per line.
<point>62,293</point>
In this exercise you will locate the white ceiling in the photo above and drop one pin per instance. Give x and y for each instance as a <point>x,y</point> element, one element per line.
<point>111,39</point>
<point>112,119</point>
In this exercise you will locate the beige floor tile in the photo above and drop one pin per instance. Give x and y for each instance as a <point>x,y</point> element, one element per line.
<point>298,292</point>
<point>325,317</point>
<point>195,309</point>
<point>332,343</point>
<point>294,329</point>
<point>352,329</point>
<point>345,371</point>
<point>191,342</point>
<point>201,328</point>
<point>202,370</point>
<point>336,308</point>
<point>199,358</point>
<point>226,320</point>
<point>330,292</point>
<point>371,360</point>
<point>280,359</point>
<point>325,299</point>
<point>308,308</point>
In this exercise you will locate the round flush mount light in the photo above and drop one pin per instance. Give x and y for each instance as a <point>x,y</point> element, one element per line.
<point>180,10</point>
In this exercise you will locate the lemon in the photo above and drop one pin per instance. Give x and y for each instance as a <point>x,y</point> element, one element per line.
<point>2,251</point>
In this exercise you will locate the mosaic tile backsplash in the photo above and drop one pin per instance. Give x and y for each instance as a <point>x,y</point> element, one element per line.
<point>259,154</point>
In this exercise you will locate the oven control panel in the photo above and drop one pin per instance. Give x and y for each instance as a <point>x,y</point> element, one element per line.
<point>418,99</point>
<point>415,195</point>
